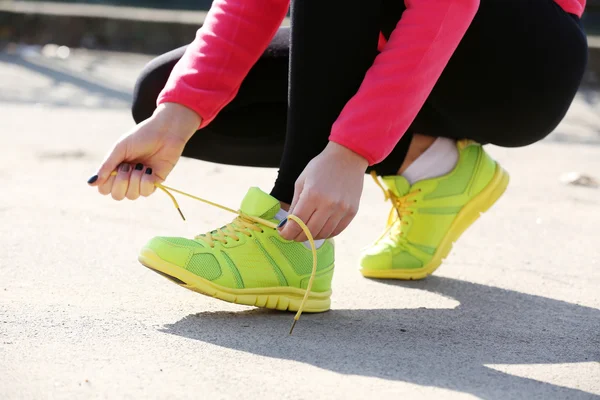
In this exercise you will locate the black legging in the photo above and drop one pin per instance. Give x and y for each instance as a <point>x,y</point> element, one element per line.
<point>509,83</point>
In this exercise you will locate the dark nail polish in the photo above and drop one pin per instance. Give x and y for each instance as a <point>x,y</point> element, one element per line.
<point>93,179</point>
<point>139,166</point>
<point>125,167</point>
<point>282,223</point>
<point>148,171</point>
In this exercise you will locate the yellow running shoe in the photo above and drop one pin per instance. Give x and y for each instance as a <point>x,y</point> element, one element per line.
<point>429,216</point>
<point>245,262</point>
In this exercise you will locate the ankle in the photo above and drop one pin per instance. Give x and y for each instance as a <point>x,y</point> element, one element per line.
<point>284,206</point>
<point>439,159</point>
<point>418,145</point>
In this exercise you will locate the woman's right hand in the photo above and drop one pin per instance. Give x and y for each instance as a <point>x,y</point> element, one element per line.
<point>146,154</point>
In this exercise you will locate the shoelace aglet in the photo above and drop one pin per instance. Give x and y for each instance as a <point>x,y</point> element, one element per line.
<point>175,203</point>
<point>293,326</point>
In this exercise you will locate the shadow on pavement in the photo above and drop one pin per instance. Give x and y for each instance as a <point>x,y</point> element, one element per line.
<point>88,86</point>
<point>445,348</point>
<point>565,138</point>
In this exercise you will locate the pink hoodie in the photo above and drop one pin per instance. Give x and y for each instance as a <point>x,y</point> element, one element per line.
<point>236,33</point>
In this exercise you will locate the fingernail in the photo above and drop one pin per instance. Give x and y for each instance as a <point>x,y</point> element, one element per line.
<point>148,171</point>
<point>282,223</point>
<point>125,167</point>
<point>93,179</point>
<point>139,166</point>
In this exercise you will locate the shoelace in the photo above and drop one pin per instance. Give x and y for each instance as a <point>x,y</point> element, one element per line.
<point>241,225</point>
<point>401,204</point>
<point>238,225</point>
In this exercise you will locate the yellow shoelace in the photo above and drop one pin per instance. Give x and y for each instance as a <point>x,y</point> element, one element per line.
<point>400,204</point>
<point>240,225</point>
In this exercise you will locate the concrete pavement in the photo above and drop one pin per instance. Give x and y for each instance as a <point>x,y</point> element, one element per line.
<point>513,313</point>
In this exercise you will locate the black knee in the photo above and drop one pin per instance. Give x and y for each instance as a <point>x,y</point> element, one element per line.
<point>145,93</point>
<point>151,82</point>
<point>531,128</point>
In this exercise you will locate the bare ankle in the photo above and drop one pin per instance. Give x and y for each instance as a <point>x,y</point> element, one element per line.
<point>284,206</point>
<point>418,145</point>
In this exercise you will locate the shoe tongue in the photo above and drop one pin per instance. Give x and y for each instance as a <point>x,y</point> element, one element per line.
<point>397,184</point>
<point>259,204</point>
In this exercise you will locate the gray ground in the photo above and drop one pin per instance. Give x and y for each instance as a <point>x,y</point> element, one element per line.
<point>514,312</point>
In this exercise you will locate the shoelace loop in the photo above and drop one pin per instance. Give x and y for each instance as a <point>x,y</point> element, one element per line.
<point>246,221</point>
<point>401,204</point>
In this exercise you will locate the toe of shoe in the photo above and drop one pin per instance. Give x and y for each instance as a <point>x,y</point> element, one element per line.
<point>376,260</point>
<point>173,250</point>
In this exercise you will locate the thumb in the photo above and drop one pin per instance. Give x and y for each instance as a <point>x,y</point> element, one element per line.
<point>110,163</point>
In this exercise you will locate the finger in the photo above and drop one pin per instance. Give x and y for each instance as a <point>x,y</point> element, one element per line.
<point>119,187</point>
<point>106,187</point>
<point>329,226</point>
<point>343,224</point>
<point>112,161</point>
<point>133,190</point>
<point>315,223</point>
<point>304,211</point>
<point>147,185</point>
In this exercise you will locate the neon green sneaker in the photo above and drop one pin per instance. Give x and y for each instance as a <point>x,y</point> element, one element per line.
<point>245,262</point>
<point>428,217</point>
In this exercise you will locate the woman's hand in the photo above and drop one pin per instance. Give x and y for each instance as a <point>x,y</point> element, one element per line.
<point>147,153</point>
<point>327,193</point>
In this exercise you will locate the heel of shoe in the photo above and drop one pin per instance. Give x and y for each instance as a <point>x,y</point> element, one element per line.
<point>490,195</point>
<point>322,281</point>
<point>472,211</point>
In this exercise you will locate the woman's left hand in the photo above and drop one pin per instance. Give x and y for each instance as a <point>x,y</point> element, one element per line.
<point>327,193</point>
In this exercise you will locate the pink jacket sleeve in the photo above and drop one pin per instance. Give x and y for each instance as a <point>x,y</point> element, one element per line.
<point>233,37</point>
<point>404,73</point>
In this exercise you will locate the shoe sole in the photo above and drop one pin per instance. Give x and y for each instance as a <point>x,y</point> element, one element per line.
<point>465,218</point>
<point>279,298</point>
